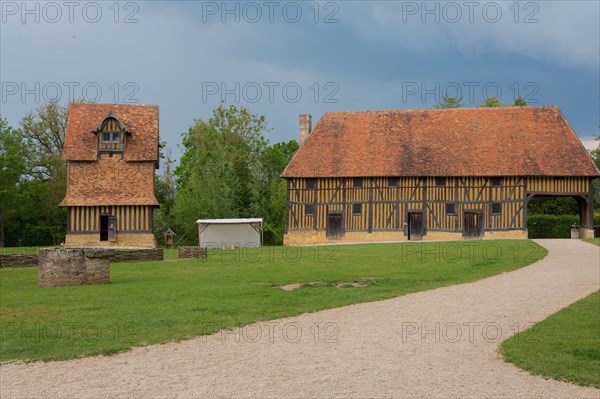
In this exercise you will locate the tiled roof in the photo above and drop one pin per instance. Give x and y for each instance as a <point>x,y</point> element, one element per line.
<point>140,120</point>
<point>503,141</point>
<point>110,181</point>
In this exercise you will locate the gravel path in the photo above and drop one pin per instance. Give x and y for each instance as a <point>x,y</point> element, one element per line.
<point>439,343</point>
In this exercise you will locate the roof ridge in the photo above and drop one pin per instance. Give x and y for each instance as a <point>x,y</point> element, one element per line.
<point>443,109</point>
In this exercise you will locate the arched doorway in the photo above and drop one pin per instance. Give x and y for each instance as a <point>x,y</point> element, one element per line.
<point>578,205</point>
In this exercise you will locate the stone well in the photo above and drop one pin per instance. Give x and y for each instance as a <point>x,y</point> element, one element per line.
<point>60,267</point>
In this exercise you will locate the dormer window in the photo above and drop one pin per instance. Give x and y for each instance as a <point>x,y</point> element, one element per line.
<point>111,134</point>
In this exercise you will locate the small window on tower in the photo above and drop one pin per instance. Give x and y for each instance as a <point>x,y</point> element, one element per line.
<point>356,209</point>
<point>450,209</point>
<point>496,181</point>
<point>111,134</point>
<point>357,182</point>
<point>310,183</point>
<point>393,182</point>
<point>440,181</point>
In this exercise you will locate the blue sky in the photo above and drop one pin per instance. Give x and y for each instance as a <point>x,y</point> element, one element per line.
<point>281,59</point>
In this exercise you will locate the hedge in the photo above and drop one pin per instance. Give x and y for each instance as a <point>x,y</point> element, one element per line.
<point>553,226</point>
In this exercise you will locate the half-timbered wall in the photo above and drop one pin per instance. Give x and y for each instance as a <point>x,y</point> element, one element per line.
<point>381,203</point>
<point>130,219</point>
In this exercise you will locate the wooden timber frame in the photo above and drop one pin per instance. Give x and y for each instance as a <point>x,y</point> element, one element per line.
<point>130,219</point>
<point>373,204</point>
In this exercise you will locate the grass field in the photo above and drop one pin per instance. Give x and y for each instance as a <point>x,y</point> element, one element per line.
<point>19,250</point>
<point>154,302</point>
<point>595,241</point>
<point>565,346</point>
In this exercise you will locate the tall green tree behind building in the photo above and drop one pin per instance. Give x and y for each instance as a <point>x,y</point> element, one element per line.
<point>33,178</point>
<point>228,170</point>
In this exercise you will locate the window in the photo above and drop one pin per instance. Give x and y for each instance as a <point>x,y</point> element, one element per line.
<point>357,182</point>
<point>311,183</point>
<point>440,181</point>
<point>496,181</point>
<point>309,209</point>
<point>356,209</point>
<point>496,208</point>
<point>114,138</point>
<point>111,134</point>
<point>450,209</point>
<point>393,182</point>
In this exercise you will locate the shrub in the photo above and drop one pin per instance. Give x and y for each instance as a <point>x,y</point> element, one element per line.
<point>551,226</point>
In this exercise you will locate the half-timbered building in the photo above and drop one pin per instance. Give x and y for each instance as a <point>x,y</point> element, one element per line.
<point>112,151</point>
<point>432,174</point>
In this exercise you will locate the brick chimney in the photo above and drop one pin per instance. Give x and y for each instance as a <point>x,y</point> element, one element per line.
<point>305,127</point>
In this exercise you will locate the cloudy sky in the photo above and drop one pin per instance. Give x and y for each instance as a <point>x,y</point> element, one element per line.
<point>281,59</point>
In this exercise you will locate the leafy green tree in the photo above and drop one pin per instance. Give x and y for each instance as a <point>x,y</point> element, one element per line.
<point>519,102</point>
<point>229,170</point>
<point>270,192</point>
<point>219,167</point>
<point>450,102</point>
<point>491,102</point>
<point>33,178</point>
<point>553,206</point>
<point>45,129</point>
<point>596,183</point>
<point>164,189</point>
<point>13,155</point>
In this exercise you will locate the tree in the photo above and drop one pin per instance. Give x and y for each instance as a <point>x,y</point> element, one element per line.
<point>450,102</point>
<point>13,154</point>
<point>272,189</point>
<point>164,189</point>
<point>219,171</point>
<point>491,102</point>
<point>596,183</point>
<point>519,102</point>
<point>33,178</point>
<point>45,128</point>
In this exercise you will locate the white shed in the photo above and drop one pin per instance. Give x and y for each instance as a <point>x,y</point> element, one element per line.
<point>227,233</point>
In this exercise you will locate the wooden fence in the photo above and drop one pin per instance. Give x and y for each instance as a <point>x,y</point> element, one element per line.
<point>192,252</point>
<point>122,255</point>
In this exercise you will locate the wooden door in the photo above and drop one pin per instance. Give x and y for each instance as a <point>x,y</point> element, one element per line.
<point>473,225</point>
<point>415,226</point>
<point>335,225</point>
<point>112,228</point>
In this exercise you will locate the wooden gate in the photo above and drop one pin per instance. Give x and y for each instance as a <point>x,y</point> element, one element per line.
<point>473,225</point>
<point>415,226</point>
<point>112,228</point>
<point>335,225</point>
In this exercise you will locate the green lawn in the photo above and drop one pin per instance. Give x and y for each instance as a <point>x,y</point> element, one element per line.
<point>153,302</point>
<point>595,241</point>
<point>565,346</point>
<point>19,250</point>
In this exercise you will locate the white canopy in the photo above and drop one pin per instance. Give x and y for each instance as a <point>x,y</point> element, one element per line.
<point>227,233</point>
<point>228,221</point>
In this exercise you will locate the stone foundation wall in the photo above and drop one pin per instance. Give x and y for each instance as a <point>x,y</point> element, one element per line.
<point>60,267</point>
<point>302,238</point>
<point>123,240</point>
<point>586,233</point>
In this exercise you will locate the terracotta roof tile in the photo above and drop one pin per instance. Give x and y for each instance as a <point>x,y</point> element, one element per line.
<point>447,142</point>
<point>140,120</point>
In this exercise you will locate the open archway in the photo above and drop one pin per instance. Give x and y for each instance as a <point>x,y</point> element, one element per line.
<point>567,209</point>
